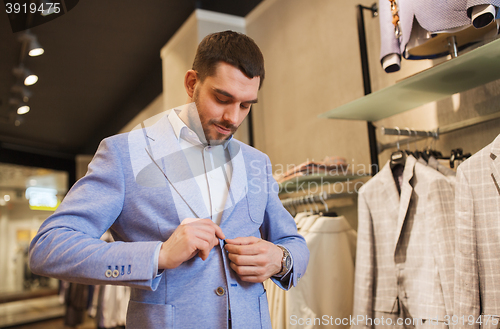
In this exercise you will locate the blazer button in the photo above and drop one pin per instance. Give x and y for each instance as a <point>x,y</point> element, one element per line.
<point>108,273</point>
<point>220,291</point>
<point>116,273</point>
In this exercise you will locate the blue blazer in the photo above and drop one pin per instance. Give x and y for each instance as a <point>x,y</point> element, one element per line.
<point>139,186</point>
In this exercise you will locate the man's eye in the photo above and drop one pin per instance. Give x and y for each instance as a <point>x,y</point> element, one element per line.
<point>220,100</point>
<point>245,106</point>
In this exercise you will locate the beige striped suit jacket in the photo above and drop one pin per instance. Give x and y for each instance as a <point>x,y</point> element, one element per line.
<point>477,274</point>
<point>405,248</point>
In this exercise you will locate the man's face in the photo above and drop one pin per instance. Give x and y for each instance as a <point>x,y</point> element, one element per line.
<point>223,101</point>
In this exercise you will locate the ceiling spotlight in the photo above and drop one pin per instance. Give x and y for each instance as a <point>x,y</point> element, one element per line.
<point>24,92</point>
<point>22,108</point>
<point>30,80</point>
<point>34,48</point>
<point>25,74</point>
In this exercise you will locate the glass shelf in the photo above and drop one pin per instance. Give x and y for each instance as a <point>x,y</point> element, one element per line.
<point>472,69</point>
<point>304,182</point>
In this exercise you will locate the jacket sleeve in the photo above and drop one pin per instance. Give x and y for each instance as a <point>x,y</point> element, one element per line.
<point>279,227</point>
<point>389,44</point>
<point>364,267</point>
<point>466,294</point>
<point>68,246</point>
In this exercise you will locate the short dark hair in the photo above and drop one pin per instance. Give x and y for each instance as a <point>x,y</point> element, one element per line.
<point>234,48</point>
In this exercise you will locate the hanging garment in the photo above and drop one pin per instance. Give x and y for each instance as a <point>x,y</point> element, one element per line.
<point>477,272</point>
<point>327,287</point>
<point>405,250</point>
<point>427,16</point>
<point>447,172</point>
<point>77,301</point>
<point>277,296</point>
<point>112,306</point>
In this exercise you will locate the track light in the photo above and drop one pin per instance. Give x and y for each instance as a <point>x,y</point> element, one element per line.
<point>22,108</point>
<point>34,48</point>
<point>25,74</point>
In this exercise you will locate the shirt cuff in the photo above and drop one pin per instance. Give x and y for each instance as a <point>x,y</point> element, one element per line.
<point>156,272</point>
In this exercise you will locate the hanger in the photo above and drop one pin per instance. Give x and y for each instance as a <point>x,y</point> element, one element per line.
<point>327,213</point>
<point>419,154</point>
<point>398,158</point>
<point>315,204</point>
<point>305,200</point>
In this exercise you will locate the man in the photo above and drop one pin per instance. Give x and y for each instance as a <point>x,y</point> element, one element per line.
<point>195,213</point>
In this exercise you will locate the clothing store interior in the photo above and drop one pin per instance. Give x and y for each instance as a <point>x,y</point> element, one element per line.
<point>380,118</point>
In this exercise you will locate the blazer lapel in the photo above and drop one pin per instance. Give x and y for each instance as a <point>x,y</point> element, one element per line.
<point>163,149</point>
<point>238,187</point>
<point>406,192</point>
<point>495,162</point>
<point>390,190</point>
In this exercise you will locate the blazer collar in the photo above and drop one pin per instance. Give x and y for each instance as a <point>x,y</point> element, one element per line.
<point>495,162</point>
<point>162,147</point>
<point>389,189</point>
<point>238,188</point>
<point>406,192</point>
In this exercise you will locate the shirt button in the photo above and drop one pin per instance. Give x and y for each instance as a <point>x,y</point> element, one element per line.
<point>108,273</point>
<point>116,273</point>
<point>220,291</point>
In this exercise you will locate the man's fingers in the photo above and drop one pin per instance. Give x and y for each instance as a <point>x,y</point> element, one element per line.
<point>250,249</point>
<point>219,233</point>
<point>248,270</point>
<point>243,240</point>
<point>246,260</point>
<point>205,224</point>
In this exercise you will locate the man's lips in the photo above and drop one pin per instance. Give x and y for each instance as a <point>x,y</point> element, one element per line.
<point>222,130</point>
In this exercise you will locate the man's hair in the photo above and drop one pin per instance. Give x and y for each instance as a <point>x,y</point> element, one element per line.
<point>233,48</point>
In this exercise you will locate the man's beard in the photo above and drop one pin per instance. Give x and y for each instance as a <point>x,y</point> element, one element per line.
<point>206,124</point>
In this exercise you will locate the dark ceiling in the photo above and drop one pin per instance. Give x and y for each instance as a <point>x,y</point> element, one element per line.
<point>100,68</point>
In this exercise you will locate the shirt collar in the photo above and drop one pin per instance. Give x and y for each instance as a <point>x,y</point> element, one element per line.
<point>181,130</point>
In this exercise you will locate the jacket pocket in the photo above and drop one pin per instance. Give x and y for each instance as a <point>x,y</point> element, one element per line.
<point>265,317</point>
<point>145,315</point>
<point>256,208</point>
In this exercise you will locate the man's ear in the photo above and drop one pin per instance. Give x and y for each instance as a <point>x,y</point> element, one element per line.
<point>190,81</point>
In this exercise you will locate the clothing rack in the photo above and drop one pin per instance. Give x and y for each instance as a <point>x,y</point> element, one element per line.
<point>314,199</point>
<point>421,135</point>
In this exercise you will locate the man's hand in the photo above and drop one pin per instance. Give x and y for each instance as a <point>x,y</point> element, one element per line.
<point>254,259</point>
<point>193,236</point>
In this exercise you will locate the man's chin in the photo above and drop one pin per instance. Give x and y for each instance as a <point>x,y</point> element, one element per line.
<point>219,139</point>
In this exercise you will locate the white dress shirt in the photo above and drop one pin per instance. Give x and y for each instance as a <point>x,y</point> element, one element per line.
<point>210,165</point>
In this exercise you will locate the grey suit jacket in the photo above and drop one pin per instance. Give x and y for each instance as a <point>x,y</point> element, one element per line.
<point>405,245</point>
<point>141,187</point>
<point>477,272</point>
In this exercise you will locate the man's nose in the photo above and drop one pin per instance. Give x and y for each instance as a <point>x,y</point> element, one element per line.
<point>231,114</point>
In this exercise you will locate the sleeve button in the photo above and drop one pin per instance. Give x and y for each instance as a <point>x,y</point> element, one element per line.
<point>108,273</point>
<point>116,273</point>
